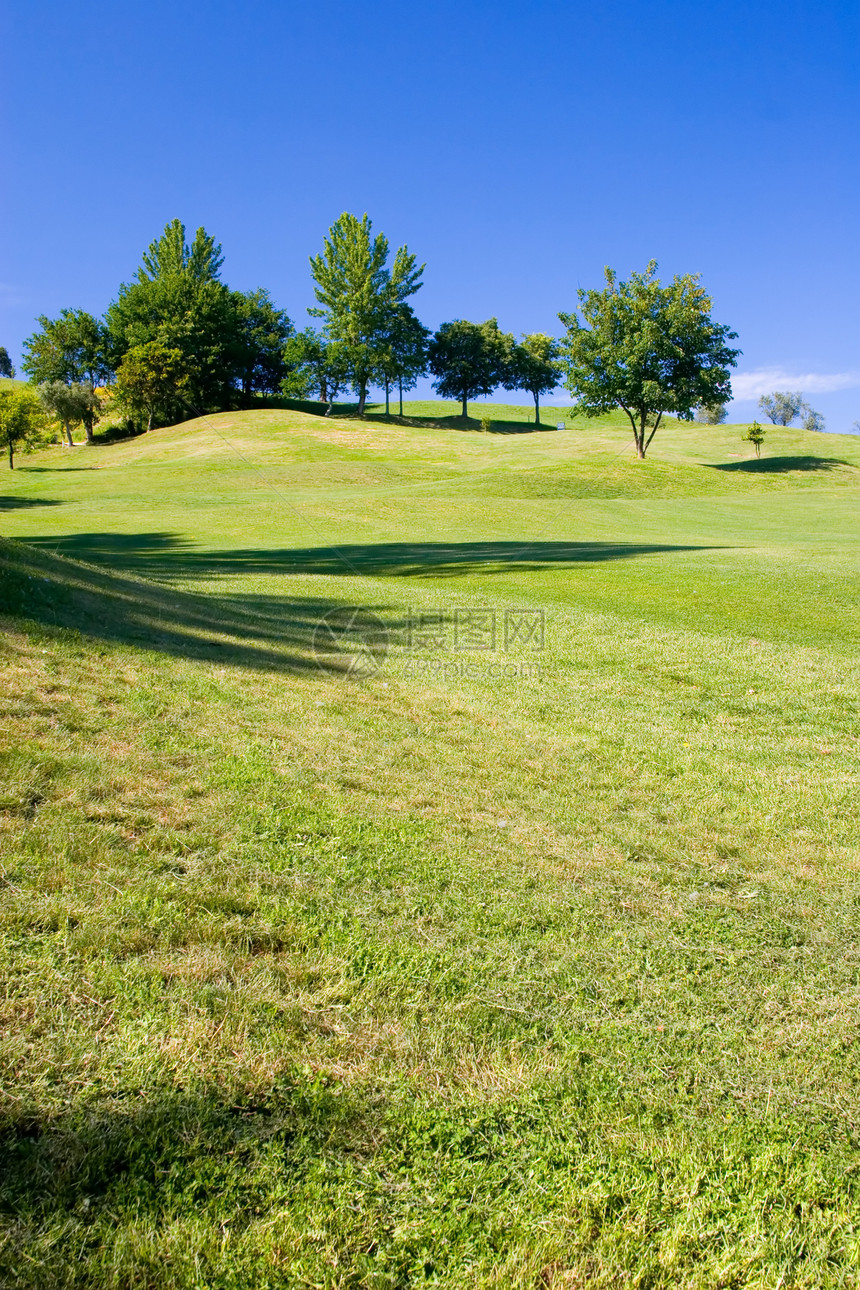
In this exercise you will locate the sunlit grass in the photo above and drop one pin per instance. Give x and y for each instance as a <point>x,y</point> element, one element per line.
<point>444,977</point>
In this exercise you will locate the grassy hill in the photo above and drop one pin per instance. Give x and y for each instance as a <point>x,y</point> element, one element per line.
<point>402,951</point>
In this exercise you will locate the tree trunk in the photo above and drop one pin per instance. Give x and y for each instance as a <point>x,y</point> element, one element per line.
<point>362,398</point>
<point>11,459</point>
<point>387,408</point>
<point>640,436</point>
<point>149,421</point>
<point>537,411</point>
<point>88,427</point>
<point>323,390</point>
<point>68,429</point>
<point>465,407</point>
<point>400,384</point>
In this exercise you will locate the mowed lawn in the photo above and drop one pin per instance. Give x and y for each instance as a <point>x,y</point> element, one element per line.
<point>502,931</point>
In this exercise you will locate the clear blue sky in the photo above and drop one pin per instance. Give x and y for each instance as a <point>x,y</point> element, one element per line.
<point>517,148</point>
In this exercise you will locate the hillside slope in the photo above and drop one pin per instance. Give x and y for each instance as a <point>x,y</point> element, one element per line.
<point>404,885</point>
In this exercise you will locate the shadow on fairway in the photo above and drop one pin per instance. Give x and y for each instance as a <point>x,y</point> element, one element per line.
<point>781,465</point>
<point>471,424</point>
<point>126,1159</point>
<point>167,556</point>
<point>274,633</point>
<point>24,503</point>
<point>53,470</point>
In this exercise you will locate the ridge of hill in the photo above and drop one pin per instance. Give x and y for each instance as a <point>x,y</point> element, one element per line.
<point>333,451</point>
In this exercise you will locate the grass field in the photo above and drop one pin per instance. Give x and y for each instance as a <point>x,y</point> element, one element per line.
<point>468,963</point>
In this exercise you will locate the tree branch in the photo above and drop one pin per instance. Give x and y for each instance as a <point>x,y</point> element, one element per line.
<point>629,415</point>
<point>654,431</point>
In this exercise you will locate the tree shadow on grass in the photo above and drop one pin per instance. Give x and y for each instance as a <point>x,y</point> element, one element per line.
<point>170,1156</point>
<point>167,556</point>
<point>45,581</point>
<point>471,424</point>
<point>24,503</point>
<point>54,470</point>
<point>270,633</point>
<point>781,465</point>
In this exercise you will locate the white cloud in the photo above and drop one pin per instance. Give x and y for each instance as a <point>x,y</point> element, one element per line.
<point>764,380</point>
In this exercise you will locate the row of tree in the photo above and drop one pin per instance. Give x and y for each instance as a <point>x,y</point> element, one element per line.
<point>370,334</point>
<point>781,408</point>
<point>785,406</point>
<point>175,338</point>
<point>178,340</point>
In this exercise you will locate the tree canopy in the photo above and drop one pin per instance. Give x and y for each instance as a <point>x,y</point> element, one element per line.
<point>22,419</point>
<point>263,331</point>
<point>812,420</point>
<point>755,436</point>
<point>647,349</point>
<point>357,294</point>
<point>782,407</point>
<point>71,348</point>
<point>187,311</point>
<point>6,368</point>
<point>180,342</point>
<point>71,405</point>
<point>150,382</point>
<point>230,343</point>
<point>403,352</point>
<point>314,365</point>
<point>469,360</point>
<point>713,414</point>
<point>170,254</point>
<point>534,365</point>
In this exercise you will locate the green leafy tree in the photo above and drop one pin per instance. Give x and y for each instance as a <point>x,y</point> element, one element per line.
<point>646,349</point>
<point>534,365</point>
<point>150,382</point>
<point>72,348</point>
<point>71,405</point>
<point>22,420</point>
<point>403,356</point>
<point>263,330</point>
<point>782,407</point>
<point>171,255</point>
<point>811,420</point>
<point>6,368</point>
<point>713,415</point>
<point>356,292</point>
<point>178,302</point>
<point>469,360</point>
<point>314,365</point>
<point>755,436</point>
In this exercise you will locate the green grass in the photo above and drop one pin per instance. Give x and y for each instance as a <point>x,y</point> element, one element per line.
<point>540,972</point>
